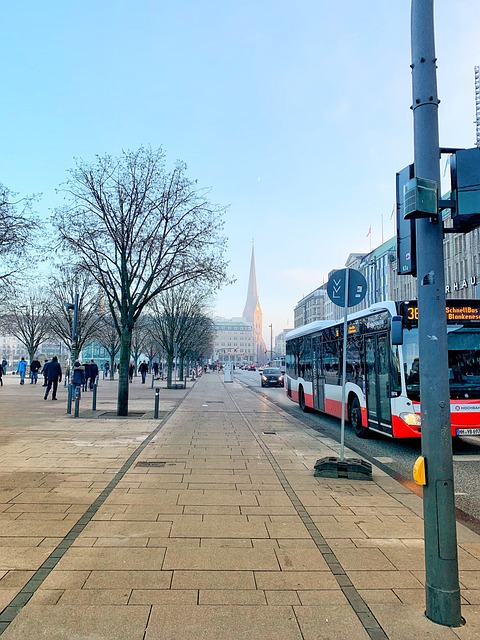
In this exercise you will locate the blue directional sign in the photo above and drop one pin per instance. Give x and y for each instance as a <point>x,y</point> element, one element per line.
<point>357,287</point>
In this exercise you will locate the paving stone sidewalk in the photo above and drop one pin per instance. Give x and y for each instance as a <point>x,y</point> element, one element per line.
<point>204,524</point>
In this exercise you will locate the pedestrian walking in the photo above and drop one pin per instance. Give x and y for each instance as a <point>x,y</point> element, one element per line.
<point>35,367</point>
<point>131,371</point>
<point>93,373</point>
<point>54,376</point>
<point>143,368</point>
<point>22,370</point>
<point>106,369</point>
<point>78,378</point>
<point>1,376</point>
<point>86,376</point>
<point>4,365</point>
<point>155,369</point>
<point>44,371</point>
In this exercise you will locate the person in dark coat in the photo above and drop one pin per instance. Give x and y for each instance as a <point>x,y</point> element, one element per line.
<point>54,375</point>
<point>78,378</point>
<point>87,375</point>
<point>35,367</point>
<point>93,373</point>
<point>143,368</point>
<point>155,369</point>
<point>131,371</point>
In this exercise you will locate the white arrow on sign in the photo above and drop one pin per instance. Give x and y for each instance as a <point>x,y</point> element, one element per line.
<point>336,288</point>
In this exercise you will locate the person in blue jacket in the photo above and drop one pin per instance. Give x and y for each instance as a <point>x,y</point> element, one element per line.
<point>22,370</point>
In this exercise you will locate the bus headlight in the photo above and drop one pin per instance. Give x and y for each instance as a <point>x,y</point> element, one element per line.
<point>412,419</point>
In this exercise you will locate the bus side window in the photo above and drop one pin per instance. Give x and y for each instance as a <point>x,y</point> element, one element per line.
<point>331,363</point>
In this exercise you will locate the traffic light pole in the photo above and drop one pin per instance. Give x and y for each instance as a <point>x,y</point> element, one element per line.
<point>441,561</point>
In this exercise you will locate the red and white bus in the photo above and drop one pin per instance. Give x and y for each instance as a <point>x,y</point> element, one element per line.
<point>382,378</point>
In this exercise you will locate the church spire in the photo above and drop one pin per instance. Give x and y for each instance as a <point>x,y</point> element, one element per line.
<point>253,312</point>
<point>252,294</point>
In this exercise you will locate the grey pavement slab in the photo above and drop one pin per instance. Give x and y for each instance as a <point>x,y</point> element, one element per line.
<point>207,622</point>
<point>78,622</point>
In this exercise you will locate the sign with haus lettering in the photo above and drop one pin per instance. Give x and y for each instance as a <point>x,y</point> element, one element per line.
<point>357,287</point>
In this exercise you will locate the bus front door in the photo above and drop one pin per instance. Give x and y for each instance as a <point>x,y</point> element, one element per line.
<point>377,382</point>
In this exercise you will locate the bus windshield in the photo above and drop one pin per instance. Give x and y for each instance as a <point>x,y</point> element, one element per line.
<point>463,362</point>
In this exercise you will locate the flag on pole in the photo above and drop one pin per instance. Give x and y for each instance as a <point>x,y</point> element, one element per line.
<point>369,231</point>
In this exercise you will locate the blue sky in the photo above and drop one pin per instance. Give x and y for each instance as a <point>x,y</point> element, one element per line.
<point>296,114</point>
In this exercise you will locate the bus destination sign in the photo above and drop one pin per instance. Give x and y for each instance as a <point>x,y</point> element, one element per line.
<point>456,310</point>
<point>464,312</point>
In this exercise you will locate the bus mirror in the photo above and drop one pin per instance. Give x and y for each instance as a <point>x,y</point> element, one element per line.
<point>397,330</point>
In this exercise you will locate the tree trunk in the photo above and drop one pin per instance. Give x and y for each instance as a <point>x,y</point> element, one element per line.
<point>181,366</point>
<point>122,397</point>
<point>169,372</point>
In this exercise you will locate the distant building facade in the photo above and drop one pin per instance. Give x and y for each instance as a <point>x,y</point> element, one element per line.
<point>234,341</point>
<point>310,308</point>
<point>280,350</point>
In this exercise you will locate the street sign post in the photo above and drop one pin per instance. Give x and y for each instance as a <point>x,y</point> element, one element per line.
<point>345,288</point>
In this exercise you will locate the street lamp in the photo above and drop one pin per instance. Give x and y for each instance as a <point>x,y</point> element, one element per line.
<point>72,306</point>
<point>271,343</point>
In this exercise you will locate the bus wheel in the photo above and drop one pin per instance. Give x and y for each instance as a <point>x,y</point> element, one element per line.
<point>355,417</point>
<point>301,400</point>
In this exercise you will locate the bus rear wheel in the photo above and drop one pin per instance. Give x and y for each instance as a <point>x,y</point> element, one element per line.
<point>355,418</point>
<point>301,400</point>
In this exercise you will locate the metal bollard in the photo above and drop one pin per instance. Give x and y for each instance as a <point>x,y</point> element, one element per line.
<point>157,402</point>
<point>69,399</point>
<point>77,401</point>
<point>94,397</point>
<point>153,378</point>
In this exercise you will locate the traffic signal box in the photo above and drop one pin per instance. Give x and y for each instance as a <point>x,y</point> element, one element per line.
<point>465,181</point>
<point>418,198</point>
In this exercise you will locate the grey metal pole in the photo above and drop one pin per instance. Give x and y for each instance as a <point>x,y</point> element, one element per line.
<point>157,402</point>
<point>77,402</point>
<point>75,324</point>
<point>94,397</point>
<point>69,398</point>
<point>344,365</point>
<point>153,378</point>
<point>441,561</point>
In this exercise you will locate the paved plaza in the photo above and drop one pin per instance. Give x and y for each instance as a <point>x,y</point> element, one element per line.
<point>205,523</point>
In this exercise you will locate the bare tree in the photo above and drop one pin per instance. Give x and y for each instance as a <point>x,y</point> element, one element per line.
<point>140,337</point>
<point>17,227</point>
<point>178,314</point>
<point>199,338</point>
<point>68,282</point>
<point>28,320</point>
<point>140,230</point>
<point>109,338</point>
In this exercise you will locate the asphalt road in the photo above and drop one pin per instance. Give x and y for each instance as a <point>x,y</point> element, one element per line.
<point>396,457</point>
